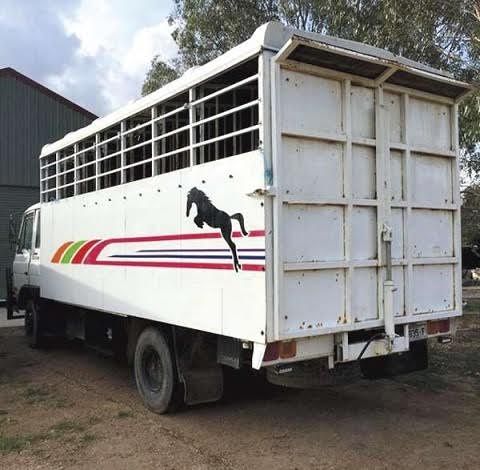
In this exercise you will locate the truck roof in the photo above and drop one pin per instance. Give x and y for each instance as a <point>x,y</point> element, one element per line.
<point>296,44</point>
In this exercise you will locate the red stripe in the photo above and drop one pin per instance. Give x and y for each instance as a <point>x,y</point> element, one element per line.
<point>173,264</point>
<point>81,253</point>
<point>59,253</point>
<point>93,255</point>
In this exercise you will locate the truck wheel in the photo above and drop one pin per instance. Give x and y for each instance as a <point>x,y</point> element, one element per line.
<point>154,370</point>
<point>32,324</point>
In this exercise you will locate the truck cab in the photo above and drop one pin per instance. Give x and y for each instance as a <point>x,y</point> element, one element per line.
<point>24,282</point>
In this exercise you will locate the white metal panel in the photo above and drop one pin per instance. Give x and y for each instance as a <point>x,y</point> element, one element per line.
<point>396,175</point>
<point>310,105</point>
<point>398,234</point>
<point>364,233</point>
<point>432,179</point>
<point>393,176</point>
<point>433,288</point>
<point>313,233</point>
<point>364,294</point>
<point>363,112</point>
<point>429,124</point>
<point>312,169</point>
<point>364,169</point>
<point>399,293</point>
<point>307,306</point>
<point>432,233</point>
<point>393,104</point>
<point>209,299</point>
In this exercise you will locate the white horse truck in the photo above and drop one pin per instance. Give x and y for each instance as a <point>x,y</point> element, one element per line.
<point>291,206</point>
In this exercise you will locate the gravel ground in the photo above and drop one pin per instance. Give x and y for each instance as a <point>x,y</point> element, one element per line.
<point>68,407</point>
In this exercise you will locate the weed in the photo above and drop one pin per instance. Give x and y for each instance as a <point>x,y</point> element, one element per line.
<point>34,395</point>
<point>17,443</point>
<point>66,426</point>
<point>12,444</point>
<point>88,438</point>
<point>94,420</point>
<point>124,414</point>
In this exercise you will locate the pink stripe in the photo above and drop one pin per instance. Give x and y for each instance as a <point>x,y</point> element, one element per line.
<point>78,258</point>
<point>97,249</point>
<point>166,264</point>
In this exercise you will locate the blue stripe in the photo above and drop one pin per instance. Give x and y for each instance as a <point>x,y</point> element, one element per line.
<point>187,256</point>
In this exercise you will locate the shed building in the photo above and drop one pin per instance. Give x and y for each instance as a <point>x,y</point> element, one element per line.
<point>31,116</point>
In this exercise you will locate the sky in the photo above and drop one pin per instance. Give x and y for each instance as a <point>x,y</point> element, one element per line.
<point>94,52</point>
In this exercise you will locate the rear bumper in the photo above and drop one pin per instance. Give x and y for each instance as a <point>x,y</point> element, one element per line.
<point>349,346</point>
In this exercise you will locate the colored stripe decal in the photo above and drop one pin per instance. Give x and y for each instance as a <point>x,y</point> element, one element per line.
<point>199,250</point>
<point>58,254</point>
<point>167,264</point>
<point>71,251</point>
<point>97,249</point>
<point>186,256</point>
<point>82,252</point>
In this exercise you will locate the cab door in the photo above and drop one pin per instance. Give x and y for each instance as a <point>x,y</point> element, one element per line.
<point>34,268</point>
<point>23,254</point>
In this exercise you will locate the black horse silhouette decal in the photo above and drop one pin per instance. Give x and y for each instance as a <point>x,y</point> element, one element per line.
<point>215,218</point>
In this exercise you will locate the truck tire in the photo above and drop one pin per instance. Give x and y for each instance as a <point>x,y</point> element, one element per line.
<point>154,370</point>
<point>33,330</point>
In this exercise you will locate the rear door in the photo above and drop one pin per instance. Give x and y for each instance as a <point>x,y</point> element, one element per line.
<point>356,163</point>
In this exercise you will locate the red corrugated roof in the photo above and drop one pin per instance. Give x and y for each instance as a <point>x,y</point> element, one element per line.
<point>43,89</point>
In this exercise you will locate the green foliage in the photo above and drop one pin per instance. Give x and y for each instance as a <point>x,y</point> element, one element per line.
<point>471,215</point>
<point>443,34</point>
<point>160,74</point>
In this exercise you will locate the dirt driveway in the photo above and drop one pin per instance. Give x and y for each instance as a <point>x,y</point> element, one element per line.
<point>71,408</point>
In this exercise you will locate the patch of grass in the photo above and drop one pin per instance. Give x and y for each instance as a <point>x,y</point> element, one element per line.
<point>88,438</point>
<point>66,426</point>
<point>93,420</point>
<point>67,430</point>
<point>473,305</point>
<point>10,444</point>
<point>124,414</point>
<point>35,395</point>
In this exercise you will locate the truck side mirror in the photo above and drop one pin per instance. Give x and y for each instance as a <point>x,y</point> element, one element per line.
<point>12,233</point>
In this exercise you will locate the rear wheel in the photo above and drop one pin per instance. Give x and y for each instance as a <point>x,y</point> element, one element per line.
<point>154,370</point>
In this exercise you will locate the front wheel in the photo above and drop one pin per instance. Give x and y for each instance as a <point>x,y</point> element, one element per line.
<point>32,324</point>
<point>154,370</point>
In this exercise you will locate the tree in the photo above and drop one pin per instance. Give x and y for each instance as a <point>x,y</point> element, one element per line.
<point>443,34</point>
<point>160,74</point>
<point>471,215</point>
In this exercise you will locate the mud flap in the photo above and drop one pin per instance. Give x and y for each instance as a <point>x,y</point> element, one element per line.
<point>197,366</point>
<point>202,385</point>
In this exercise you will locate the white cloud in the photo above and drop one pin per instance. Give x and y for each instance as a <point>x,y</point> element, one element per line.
<point>117,41</point>
<point>94,52</point>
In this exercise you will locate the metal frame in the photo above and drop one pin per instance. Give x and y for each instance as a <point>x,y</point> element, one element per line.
<point>51,191</point>
<point>384,206</point>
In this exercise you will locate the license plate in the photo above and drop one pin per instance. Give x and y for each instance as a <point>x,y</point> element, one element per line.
<point>417,331</point>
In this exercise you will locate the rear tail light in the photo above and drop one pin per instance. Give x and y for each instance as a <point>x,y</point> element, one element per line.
<point>280,349</point>
<point>438,326</point>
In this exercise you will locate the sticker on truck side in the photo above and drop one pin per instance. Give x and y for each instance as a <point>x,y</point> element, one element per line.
<point>165,251</point>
